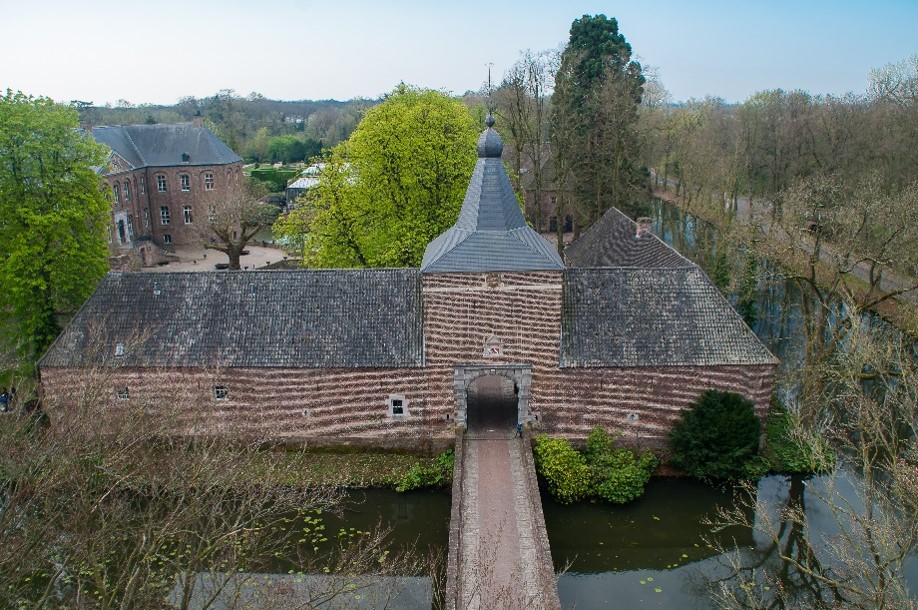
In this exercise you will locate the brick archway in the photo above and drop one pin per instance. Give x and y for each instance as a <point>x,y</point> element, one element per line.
<point>464,375</point>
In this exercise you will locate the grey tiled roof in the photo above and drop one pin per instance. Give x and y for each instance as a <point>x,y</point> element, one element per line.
<point>163,145</point>
<point>611,242</point>
<point>332,318</point>
<point>652,317</point>
<point>491,233</point>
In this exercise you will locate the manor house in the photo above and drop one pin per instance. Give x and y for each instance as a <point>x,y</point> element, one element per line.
<point>624,336</point>
<point>163,179</point>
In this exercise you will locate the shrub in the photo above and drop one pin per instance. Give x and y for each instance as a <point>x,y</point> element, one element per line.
<point>716,436</point>
<point>439,473</point>
<point>564,469</point>
<point>616,475</point>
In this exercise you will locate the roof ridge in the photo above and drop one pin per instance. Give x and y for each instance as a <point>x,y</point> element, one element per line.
<point>134,145</point>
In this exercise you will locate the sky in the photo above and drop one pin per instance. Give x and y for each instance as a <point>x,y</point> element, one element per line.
<point>157,52</point>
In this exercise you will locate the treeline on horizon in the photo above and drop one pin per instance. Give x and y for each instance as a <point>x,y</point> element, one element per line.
<point>759,147</point>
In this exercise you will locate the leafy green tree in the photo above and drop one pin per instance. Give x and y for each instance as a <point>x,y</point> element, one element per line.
<point>386,192</point>
<point>716,436</point>
<point>598,89</point>
<point>54,218</point>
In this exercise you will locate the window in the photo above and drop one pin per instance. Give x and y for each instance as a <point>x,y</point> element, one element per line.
<point>146,218</point>
<point>186,158</point>
<point>208,181</point>
<point>186,182</point>
<point>119,349</point>
<point>221,392</point>
<point>161,184</point>
<point>186,211</point>
<point>123,393</point>
<point>143,186</point>
<point>127,190</point>
<point>398,406</point>
<point>167,239</point>
<point>164,215</point>
<point>116,189</point>
<point>130,226</point>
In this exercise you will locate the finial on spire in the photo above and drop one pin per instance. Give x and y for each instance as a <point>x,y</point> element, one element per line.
<point>490,65</point>
<point>490,120</point>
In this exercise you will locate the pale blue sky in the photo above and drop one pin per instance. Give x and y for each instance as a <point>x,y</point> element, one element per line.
<point>159,51</point>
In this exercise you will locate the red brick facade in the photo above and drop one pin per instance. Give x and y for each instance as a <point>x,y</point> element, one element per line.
<point>138,202</point>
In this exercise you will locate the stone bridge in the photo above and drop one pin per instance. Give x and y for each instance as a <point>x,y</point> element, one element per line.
<point>499,555</point>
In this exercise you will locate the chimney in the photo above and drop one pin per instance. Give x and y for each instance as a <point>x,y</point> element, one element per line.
<point>197,120</point>
<point>643,227</point>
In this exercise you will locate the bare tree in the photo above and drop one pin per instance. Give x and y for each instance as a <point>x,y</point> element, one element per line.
<point>233,222</point>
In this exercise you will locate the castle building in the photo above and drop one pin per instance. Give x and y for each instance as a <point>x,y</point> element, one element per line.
<point>163,179</point>
<point>624,336</point>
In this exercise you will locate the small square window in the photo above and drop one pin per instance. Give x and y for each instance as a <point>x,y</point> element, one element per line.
<point>221,392</point>
<point>398,406</point>
<point>119,349</point>
<point>167,239</point>
<point>186,158</point>
<point>186,182</point>
<point>123,393</point>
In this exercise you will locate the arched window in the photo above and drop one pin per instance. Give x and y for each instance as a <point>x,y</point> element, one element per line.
<point>127,191</point>
<point>116,189</point>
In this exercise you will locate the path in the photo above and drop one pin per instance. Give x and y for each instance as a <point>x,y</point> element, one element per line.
<point>501,558</point>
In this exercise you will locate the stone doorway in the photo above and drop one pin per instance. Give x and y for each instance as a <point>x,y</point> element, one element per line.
<point>491,400</point>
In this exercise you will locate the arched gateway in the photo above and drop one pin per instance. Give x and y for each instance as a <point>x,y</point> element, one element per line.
<point>520,376</point>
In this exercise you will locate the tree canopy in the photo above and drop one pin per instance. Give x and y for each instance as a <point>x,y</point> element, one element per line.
<point>54,218</point>
<point>597,92</point>
<point>392,187</point>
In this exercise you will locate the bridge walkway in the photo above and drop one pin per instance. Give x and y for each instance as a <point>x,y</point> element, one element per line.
<point>498,554</point>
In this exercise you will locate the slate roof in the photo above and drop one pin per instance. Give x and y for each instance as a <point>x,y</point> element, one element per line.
<point>620,317</point>
<point>491,233</point>
<point>295,318</point>
<point>611,242</point>
<point>163,145</point>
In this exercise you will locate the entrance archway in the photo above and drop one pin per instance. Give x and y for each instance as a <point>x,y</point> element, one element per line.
<point>492,398</point>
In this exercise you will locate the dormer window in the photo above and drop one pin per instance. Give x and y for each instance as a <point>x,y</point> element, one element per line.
<point>119,350</point>
<point>186,158</point>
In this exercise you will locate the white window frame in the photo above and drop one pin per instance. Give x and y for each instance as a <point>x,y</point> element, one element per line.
<point>396,403</point>
<point>164,216</point>
<point>123,393</point>
<point>167,238</point>
<point>127,191</point>
<point>161,183</point>
<point>146,218</point>
<point>143,186</point>
<point>221,392</point>
<point>209,181</point>
<point>116,189</point>
<point>186,214</point>
<point>185,180</point>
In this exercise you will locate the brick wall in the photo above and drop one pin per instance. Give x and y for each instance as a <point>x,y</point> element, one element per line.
<point>340,404</point>
<point>461,311</point>
<point>227,178</point>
